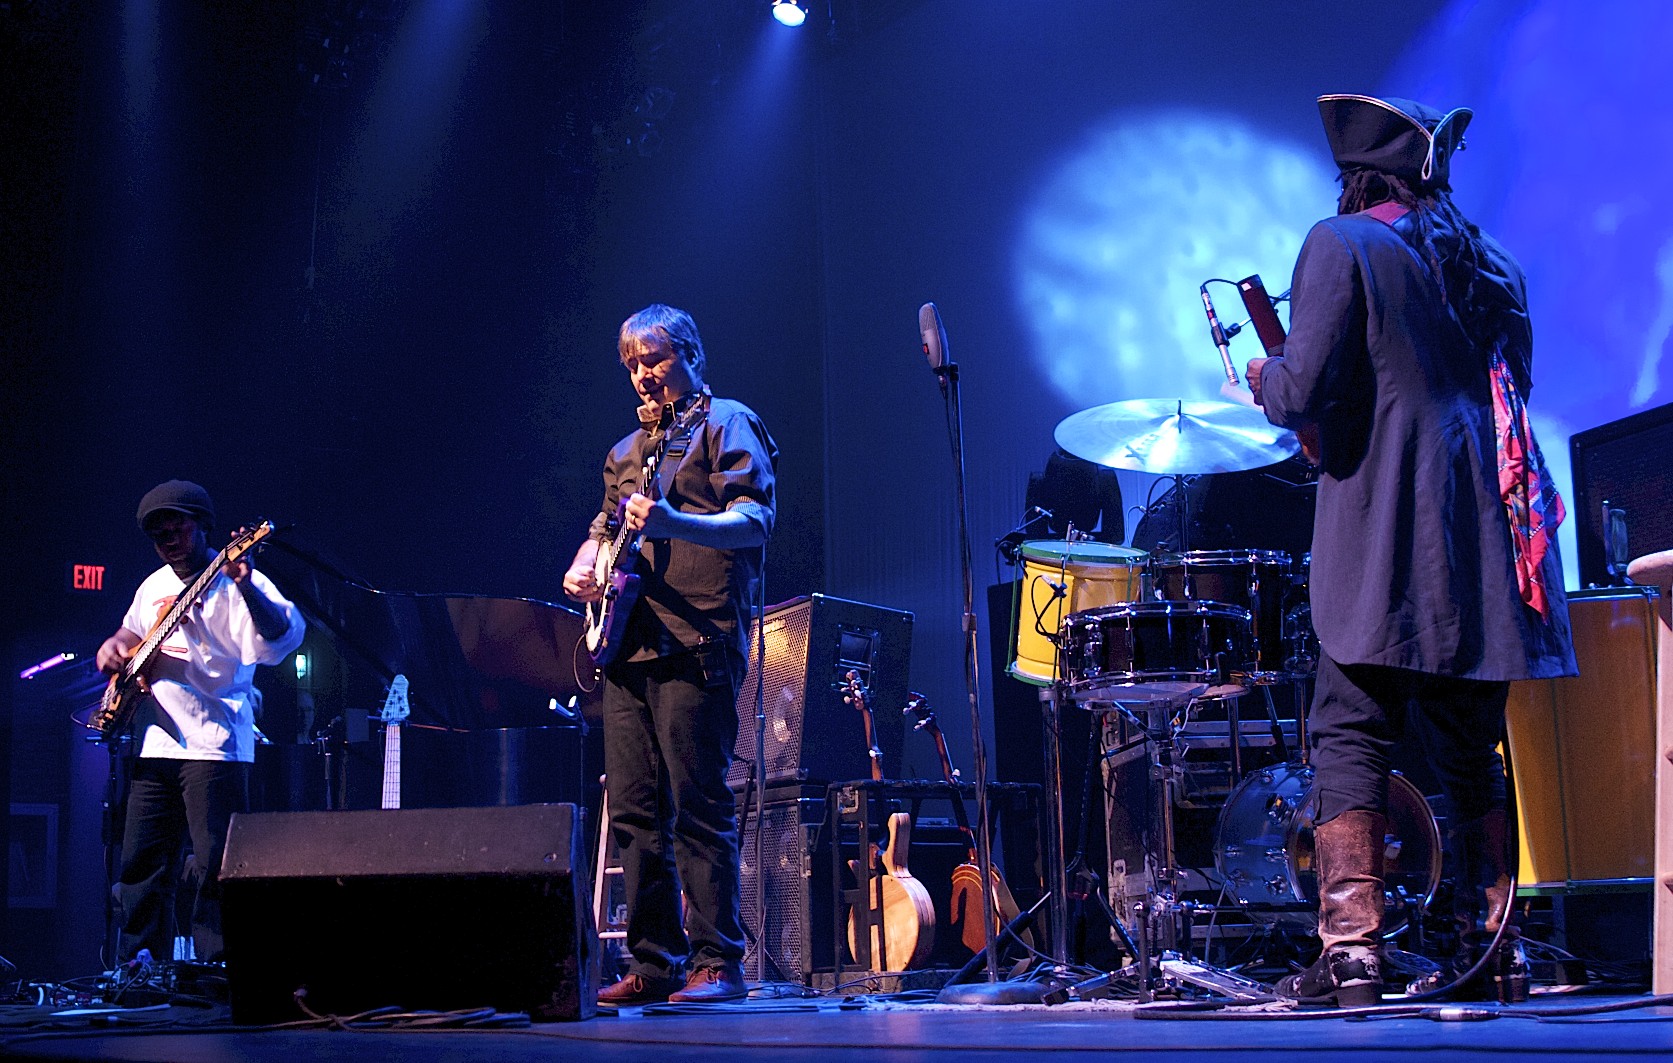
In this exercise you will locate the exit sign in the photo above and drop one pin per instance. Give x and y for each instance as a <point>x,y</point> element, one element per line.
<point>87,577</point>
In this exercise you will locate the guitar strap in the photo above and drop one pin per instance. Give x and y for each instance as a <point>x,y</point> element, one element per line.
<point>676,440</point>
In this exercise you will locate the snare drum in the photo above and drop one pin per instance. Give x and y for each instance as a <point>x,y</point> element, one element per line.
<point>1153,651</point>
<point>1257,580</point>
<point>1091,575</point>
<point>1264,848</point>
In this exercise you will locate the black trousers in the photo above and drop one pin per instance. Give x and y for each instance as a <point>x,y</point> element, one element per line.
<point>668,739</point>
<point>1360,710</point>
<point>170,801</point>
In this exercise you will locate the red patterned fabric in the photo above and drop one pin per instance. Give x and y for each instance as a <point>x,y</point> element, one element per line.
<point>1531,501</point>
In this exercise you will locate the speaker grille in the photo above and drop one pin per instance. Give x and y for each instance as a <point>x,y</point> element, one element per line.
<point>1625,464</point>
<point>786,699</point>
<point>798,891</point>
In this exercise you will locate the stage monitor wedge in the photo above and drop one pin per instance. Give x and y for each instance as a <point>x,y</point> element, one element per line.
<point>438,909</point>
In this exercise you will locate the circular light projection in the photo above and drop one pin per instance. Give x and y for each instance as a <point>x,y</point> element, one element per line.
<point>1113,249</point>
<point>789,12</point>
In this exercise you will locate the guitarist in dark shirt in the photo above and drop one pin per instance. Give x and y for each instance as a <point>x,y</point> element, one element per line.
<point>672,677</point>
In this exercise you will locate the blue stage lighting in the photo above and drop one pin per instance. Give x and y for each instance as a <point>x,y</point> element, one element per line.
<point>789,12</point>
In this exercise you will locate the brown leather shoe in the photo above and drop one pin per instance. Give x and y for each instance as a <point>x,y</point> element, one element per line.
<point>636,989</point>
<point>713,984</point>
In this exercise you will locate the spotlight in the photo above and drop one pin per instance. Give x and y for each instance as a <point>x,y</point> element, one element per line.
<point>790,12</point>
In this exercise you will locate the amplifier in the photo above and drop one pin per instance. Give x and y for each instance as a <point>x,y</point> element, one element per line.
<point>812,736</point>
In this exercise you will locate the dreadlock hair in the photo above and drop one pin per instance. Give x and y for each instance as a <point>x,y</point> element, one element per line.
<point>1449,243</point>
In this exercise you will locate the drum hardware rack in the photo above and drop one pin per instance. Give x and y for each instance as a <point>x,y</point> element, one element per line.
<point>1157,919</point>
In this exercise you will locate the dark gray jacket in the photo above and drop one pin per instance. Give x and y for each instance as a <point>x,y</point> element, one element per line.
<point>1412,563</point>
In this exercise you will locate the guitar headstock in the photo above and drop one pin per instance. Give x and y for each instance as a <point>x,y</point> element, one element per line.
<point>923,719</point>
<point>918,711</point>
<point>245,543</point>
<point>395,708</point>
<point>855,692</point>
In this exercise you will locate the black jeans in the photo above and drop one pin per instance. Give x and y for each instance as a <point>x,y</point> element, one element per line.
<point>668,740</point>
<point>168,802</point>
<point>1360,710</point>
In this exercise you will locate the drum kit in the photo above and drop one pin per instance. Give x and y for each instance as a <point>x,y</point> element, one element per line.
<point>1166,646</point>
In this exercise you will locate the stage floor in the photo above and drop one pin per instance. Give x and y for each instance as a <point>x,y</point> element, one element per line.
<point>1571,1027</point>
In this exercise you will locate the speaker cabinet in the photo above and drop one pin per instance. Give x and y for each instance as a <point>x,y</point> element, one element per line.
<point>436,909</point>
<point>812,736</point>
<point>1584,750</point>
<point>796,923</point>
<point>1622,466</point>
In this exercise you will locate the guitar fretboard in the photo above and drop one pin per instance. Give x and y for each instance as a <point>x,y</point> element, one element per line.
<point>392,766</point>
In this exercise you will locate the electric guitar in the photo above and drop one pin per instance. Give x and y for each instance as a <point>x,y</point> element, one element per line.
<point>615,566</point>
<point>123,694</point>
<point>907,932</point>
<point>966,903</point>
<point>395,710</point>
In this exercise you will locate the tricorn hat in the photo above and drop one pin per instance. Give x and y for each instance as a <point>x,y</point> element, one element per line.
<point>1395,136</point>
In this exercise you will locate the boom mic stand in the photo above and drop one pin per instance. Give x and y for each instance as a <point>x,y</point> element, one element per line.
<point>946,373</point>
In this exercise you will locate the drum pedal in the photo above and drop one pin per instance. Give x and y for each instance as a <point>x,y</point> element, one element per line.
<point>1214,979</point>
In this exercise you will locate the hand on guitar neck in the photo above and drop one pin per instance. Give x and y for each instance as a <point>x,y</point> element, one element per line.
<point>966,902</point>
<point>900,902</point>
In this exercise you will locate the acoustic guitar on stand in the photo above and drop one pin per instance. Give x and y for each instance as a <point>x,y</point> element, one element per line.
<point>907,934</point>
<point>966,903</point>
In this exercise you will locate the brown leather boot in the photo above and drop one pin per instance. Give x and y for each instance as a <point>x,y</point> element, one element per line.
<point>1348,856</point>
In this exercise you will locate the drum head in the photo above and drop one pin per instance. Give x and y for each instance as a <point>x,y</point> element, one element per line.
<point>1081,552</point>
<point>1264,848</point>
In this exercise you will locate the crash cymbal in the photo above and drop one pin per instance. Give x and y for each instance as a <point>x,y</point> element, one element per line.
<point>1170,437</point>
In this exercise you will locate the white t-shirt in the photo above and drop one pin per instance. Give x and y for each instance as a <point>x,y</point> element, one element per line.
<point>204,702</point>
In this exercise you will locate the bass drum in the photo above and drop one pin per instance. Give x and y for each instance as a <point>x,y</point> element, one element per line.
<point>1264,848</point>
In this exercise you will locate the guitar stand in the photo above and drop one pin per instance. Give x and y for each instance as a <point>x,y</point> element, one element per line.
<point>862,804</point>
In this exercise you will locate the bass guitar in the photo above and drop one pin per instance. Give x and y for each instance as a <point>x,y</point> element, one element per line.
<point>905,934</point>
<point>395,711</point>
<point>966,903</point>
<point>616,566</point>
<point>123,694</point>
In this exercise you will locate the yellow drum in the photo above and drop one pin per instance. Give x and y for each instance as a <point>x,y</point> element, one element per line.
<point>1059,578</point>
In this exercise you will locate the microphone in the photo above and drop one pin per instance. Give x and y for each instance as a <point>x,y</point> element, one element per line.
<point>1221,336</point>
<point>1261,315</point>
<point>934,337</point>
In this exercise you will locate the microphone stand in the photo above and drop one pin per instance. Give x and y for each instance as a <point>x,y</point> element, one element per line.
<point>947,375</point>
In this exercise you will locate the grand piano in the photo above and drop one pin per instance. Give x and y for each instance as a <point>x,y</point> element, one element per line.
<point>503,709</point>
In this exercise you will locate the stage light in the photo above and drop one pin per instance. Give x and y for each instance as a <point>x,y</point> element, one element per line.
<point>790,12</point>
<point>302,666</point>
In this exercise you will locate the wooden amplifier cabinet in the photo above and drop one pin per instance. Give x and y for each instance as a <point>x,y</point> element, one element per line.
<point>1583,750</point>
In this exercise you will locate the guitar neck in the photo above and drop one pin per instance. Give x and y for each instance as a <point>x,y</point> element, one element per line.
<point>163,628</point>
<point>392,766</point>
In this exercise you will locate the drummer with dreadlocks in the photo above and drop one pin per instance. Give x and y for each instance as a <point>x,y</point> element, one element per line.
<point>1435,578</point>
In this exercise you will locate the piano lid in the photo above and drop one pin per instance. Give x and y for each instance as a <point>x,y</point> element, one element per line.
<point>472,661</point>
